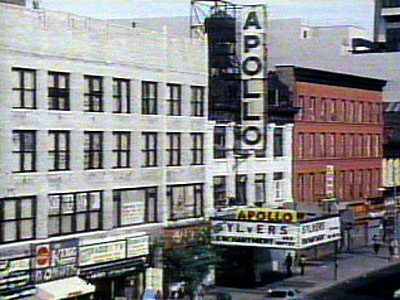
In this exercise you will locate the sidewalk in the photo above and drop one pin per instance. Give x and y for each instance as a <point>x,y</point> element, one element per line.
<point>319,274</point>
<point>351,265</point>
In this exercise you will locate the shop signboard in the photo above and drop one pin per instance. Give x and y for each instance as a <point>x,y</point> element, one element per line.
<point>102,252</point>
<point>187,236</point>
<point>275,235</point>
<point>132,212</point>
<point>55,260</point>
<point>14,278</point>
<point>137,246</point>
<point>253,67</point>
<point>330,181</point>
<point>267,215</point>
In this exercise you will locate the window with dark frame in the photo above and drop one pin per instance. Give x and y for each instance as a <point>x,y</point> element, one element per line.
<point>25,150</point>
<point>60,150</point>
<point>197,101</point>
<point>174,100</point>
<point>260,186</point>
<point>93,150</point>
<point>17,219</point>
<point>121,95</point>
<point>220,142</point>
<point>58,91</point>
<point>93,94</point>
<point>241,190</point>
<point>186,201</point>
<point>219,188</point>
<point>150,149</point>
<point>135,206</point>
<point>122,149</point>
<point>25,90</point>
<point>74,212</point>
<point>149,98</point>
<point>174,149</point>
<point>197,148</point>
<point>278,185</point>
<point>278,142</point>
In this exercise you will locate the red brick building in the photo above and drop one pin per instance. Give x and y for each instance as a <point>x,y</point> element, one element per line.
<point>339,127</point>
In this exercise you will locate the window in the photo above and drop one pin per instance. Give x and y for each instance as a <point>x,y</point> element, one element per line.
<point>59,152</point>
<point>278,185</point>
<point>17,219</point>
<point>174,100</point>
<point>174,149</point>
<point>150,149</point>
<point>122,149</point>
<point>219,142</point>
<point>58,91</point>
<point>94,94</point>
<point>301,145</point>
<point>197,101</point>
<point>260,180</point>
<point>219,185</point>
<point>197,148</point>
<point>135,206</point>
<point>311,112</point>
<point>186,201</point>
<point>241,190</point>
<point>74,212</point>
<point>149,98</point>
<point>93,150</point>
<point>24,90</point>
<point>334,110</point>
<point>322,144</point>
<point>25,150</point>
<point>121,95</point>
<point>278,142</point>
<point>301,104</point>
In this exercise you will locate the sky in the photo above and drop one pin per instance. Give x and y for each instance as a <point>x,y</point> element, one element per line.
<point>315,12</point>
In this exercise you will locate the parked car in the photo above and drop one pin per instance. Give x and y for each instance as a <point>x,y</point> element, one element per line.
<point>396,294</point>
<point>217,296</point>
<point>283,293</point>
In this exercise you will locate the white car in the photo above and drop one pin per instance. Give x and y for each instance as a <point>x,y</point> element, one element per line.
<point>396,294</point>
<point>282,294</point>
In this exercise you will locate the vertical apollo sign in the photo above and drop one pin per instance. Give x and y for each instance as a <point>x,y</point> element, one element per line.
<point>253,64</point>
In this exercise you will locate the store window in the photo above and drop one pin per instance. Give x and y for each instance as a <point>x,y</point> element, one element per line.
<point>24,150</point>
<point>135,206</point>
<point>93,150</point>
<point>197,102</point>
<point>74,212</point>
<point>241,190</point>
<point>24,90</point>
<point>121,95</point>
<point>17,219</point>
<point>149,98</point>
<point>219,185</point>
<point>260,186</point>
<point>150,149</point>
<point>174,100</point>
<point>220,142</point>
<point>59,150</point>
<point>174,149</point>
<point>197,148</point>
<point>58,89</point>
<point>278,142</point>
<point>122,146</point>
<point>278,185</point>
<point>93,94</point>
<point>186,201</point>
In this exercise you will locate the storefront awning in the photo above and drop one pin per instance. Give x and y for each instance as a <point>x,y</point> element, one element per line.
<point>63,289</point>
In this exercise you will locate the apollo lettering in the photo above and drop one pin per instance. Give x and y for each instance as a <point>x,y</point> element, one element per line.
<point>266,215</point>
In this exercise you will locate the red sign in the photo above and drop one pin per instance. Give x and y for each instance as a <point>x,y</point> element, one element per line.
<point>43,256</point>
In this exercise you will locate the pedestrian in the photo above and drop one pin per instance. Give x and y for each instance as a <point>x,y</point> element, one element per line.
<point>158,295</point>
<point>288,263</point>
<point>376,244</point>
<point>302,264</point>
<point>391,249</point>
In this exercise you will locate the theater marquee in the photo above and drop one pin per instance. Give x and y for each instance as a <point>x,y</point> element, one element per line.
<point>275,235</point>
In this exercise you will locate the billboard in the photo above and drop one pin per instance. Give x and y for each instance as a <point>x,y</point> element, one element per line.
<point>253,67</point>
<point>275,235</point>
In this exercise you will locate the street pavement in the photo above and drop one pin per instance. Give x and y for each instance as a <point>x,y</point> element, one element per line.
<point>319,274</point>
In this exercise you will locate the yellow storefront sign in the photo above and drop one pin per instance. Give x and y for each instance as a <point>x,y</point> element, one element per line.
<point>267,215</point>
